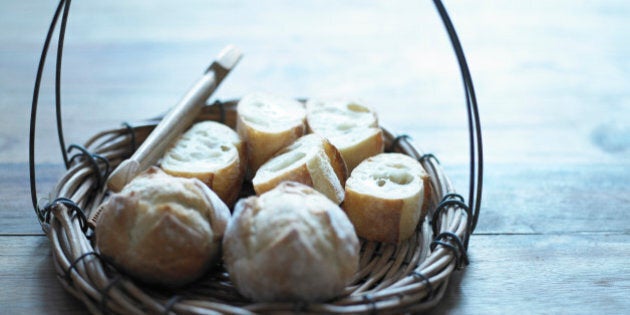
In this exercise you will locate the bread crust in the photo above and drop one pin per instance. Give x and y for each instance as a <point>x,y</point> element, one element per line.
<point>212,153</point>
<point>299,174</point>
<point>385,197</point>
<point>369,144</point>
<point>254,113</point>
<point>290,244</point>
<point>350,126</point>
<point>374,219</point>
<point>162,229</point>
<point>311,160</point>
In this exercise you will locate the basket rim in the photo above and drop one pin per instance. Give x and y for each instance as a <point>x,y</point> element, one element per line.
<point>410,276</point>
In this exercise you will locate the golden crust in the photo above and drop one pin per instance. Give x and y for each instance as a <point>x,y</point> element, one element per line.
<point>261,145</point>
<point>268,123</point>
<point>385,197</point>
<point>310,160</point>
<point>349,125</point>
<point>212,153</point>
<point>337,161</point>
<point>374,218</point>
<point>300,175</point>
<point>370,145</point>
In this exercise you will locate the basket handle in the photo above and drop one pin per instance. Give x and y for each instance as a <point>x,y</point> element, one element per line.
<point>65,5</point>
<point>474,127</point>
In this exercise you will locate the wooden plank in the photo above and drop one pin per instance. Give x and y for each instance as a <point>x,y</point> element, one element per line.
<point>553,231</point>
<point>555,198</point>
<point>565,273</point>
<point>16,210</point>
<point>543,274</point>
<point>28,281</point>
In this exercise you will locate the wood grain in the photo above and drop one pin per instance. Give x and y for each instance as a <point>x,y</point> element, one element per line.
<point>29,281</point>
<point>551,77</point>
<point>16,210</point>
<point>578,273</point>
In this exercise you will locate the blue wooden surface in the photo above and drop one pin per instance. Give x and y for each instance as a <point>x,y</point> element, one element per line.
<point>552,79</point>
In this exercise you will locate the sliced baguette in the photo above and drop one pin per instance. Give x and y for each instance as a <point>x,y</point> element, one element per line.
<point>212,153</point>
<point>385,196</point>
<point>310,160</point>
<point>351,127</point>
<point>268,123</point>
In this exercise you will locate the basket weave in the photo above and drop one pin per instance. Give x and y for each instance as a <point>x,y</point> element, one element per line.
<point>408,277</point>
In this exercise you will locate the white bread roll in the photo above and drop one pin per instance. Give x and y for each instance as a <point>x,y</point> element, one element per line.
<point>351,127</point>
<point>290,244</point>
<point>385,195</point>
<point>268,123</point>
<point>212,153</point>
<point>162,229</point>
<point>310,160</point>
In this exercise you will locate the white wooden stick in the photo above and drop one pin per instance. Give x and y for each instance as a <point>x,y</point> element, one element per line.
<point>178,119</point>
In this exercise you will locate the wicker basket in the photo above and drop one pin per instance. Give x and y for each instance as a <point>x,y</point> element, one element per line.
<point>409,277</point>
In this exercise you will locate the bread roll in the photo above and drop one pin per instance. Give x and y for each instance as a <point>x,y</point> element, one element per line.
<point>384,197</point>
<point>162,229</point>
<point>351,127</point>
<point>267,124</point>
<point>212,153</point>
<point>310,160</point>
<point>290,244</point>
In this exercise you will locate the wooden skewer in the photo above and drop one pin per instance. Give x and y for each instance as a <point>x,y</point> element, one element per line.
<point>180,117</point>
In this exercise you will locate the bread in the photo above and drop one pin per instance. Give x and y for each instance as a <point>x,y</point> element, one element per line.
<point>268,123</point>
<point>290,244</point>
<point>351,127</point>
<point>384,197</point>
<point>310,160</point>
<point>212,153</point>
<point>162,229</point>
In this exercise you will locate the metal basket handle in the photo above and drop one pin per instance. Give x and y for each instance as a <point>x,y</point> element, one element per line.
<point>474,127</point>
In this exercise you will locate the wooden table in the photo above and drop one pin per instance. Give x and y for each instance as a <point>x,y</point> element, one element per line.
<point>553,82</point>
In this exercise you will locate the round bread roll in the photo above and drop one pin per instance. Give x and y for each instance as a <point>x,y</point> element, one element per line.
<point>351,127</point>
<point>290,244</point>
<point>162,229</point>
<point>310,160</point>
<point>384,197</point>
<point>268,123</point>
<point>213,153</point>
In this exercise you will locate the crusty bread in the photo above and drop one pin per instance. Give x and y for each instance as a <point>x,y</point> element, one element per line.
<point>351,127</point>
<point>212,153</point>
<point>268,123</point>
<point>310,160</point>
<point>384,197</point>
<point>290,244</point>
<point>162,229</point>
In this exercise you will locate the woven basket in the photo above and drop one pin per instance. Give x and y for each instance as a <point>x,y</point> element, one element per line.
<point>408,277</point>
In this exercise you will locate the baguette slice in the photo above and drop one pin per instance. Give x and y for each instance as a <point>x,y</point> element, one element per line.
<point>268,123</point>
<point>310,160</point>
<point>384,197</point>
<point>351,127</point>
<point>212,153</point>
